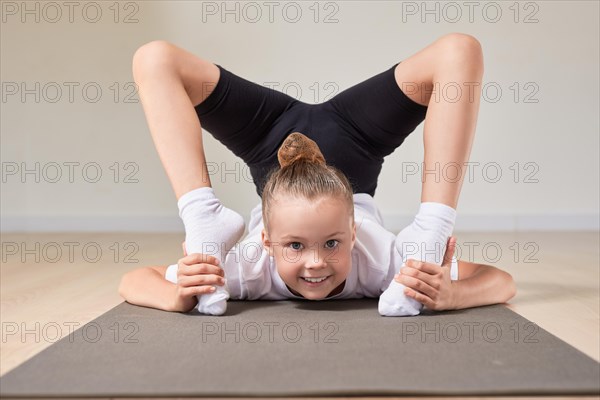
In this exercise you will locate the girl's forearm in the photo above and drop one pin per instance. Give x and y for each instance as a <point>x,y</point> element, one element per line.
<point>489,285</point>
<point>147,287</point>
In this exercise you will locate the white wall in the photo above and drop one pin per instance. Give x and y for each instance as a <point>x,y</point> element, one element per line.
<point>546,115</point>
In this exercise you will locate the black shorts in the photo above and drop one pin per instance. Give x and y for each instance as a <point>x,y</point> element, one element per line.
<point>355,129</point>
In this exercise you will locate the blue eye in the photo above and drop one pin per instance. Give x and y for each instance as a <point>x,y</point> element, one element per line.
<point>333,240</point>
<point>292,245</point>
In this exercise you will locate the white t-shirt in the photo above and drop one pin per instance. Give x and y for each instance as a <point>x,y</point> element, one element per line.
<point>251,274</point>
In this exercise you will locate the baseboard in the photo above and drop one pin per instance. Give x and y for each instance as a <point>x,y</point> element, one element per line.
<point>393,222</point>
<point>510,223</point>
<point>91,224</point>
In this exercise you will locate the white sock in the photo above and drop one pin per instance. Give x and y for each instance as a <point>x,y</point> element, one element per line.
<point>425,240</point>
<point>394,303</point>
<point>213,229</point>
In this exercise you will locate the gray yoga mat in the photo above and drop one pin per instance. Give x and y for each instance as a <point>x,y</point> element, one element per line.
<point>305,348</point>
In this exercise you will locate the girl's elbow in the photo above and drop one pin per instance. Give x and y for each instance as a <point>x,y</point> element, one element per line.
<point>511,285</point>
<point>124,285</point>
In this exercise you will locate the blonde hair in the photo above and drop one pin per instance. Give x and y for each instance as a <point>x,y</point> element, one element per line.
<point>303,173</point>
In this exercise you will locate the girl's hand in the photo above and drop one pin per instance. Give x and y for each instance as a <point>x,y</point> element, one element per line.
<point>196,275</point>
<point>428,283</point>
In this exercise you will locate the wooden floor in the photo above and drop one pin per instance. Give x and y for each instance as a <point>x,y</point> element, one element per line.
<point>49,282</point>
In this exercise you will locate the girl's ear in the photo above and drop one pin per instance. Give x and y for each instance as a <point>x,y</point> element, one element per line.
<point>266,242</point>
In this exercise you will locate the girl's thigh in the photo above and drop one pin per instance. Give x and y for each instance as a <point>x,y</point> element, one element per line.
<point>240,113</point>
<point>363,124</point>
<point>379,114</point>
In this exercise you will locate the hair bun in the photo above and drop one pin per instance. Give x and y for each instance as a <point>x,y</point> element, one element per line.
<point>297,147</point>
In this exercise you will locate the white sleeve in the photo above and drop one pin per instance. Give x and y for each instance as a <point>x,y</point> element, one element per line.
<point>171,273</point>
<point>454,269</point>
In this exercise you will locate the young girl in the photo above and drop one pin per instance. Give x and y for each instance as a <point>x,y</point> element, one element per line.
<point>317,233</point>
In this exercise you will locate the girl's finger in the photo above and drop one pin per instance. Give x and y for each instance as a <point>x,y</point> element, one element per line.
<point>202,269</point>
<point>197,290</point>
<point>417,265</point>
<point>198,280</point>
<point>418,296</point>
<point>417,285</point>
<point>199,258</point>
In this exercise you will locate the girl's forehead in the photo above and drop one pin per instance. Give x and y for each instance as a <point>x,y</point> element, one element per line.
<point>310,221</point>
<point>300,201</point>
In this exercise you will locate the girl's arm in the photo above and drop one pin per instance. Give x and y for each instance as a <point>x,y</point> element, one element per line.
<point>480,285</point>
<point>196,275</point>
<point>148,287</point>
<point>477,284</point>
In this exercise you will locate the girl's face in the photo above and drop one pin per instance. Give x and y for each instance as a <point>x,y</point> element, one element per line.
<point>311,241</point>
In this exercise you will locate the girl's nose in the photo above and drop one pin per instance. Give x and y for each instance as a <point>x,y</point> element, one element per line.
<point>316,259</point>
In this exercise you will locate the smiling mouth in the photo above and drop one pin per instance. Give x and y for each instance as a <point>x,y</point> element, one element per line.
<point>315,280</point>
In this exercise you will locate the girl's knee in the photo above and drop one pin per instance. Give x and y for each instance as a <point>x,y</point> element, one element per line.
<point>462,41</point>
<point>463,47</point>
<point>157,54</point>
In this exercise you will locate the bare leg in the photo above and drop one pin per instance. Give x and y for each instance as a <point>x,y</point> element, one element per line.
<point>171,81</point>
<point>454,60</point>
